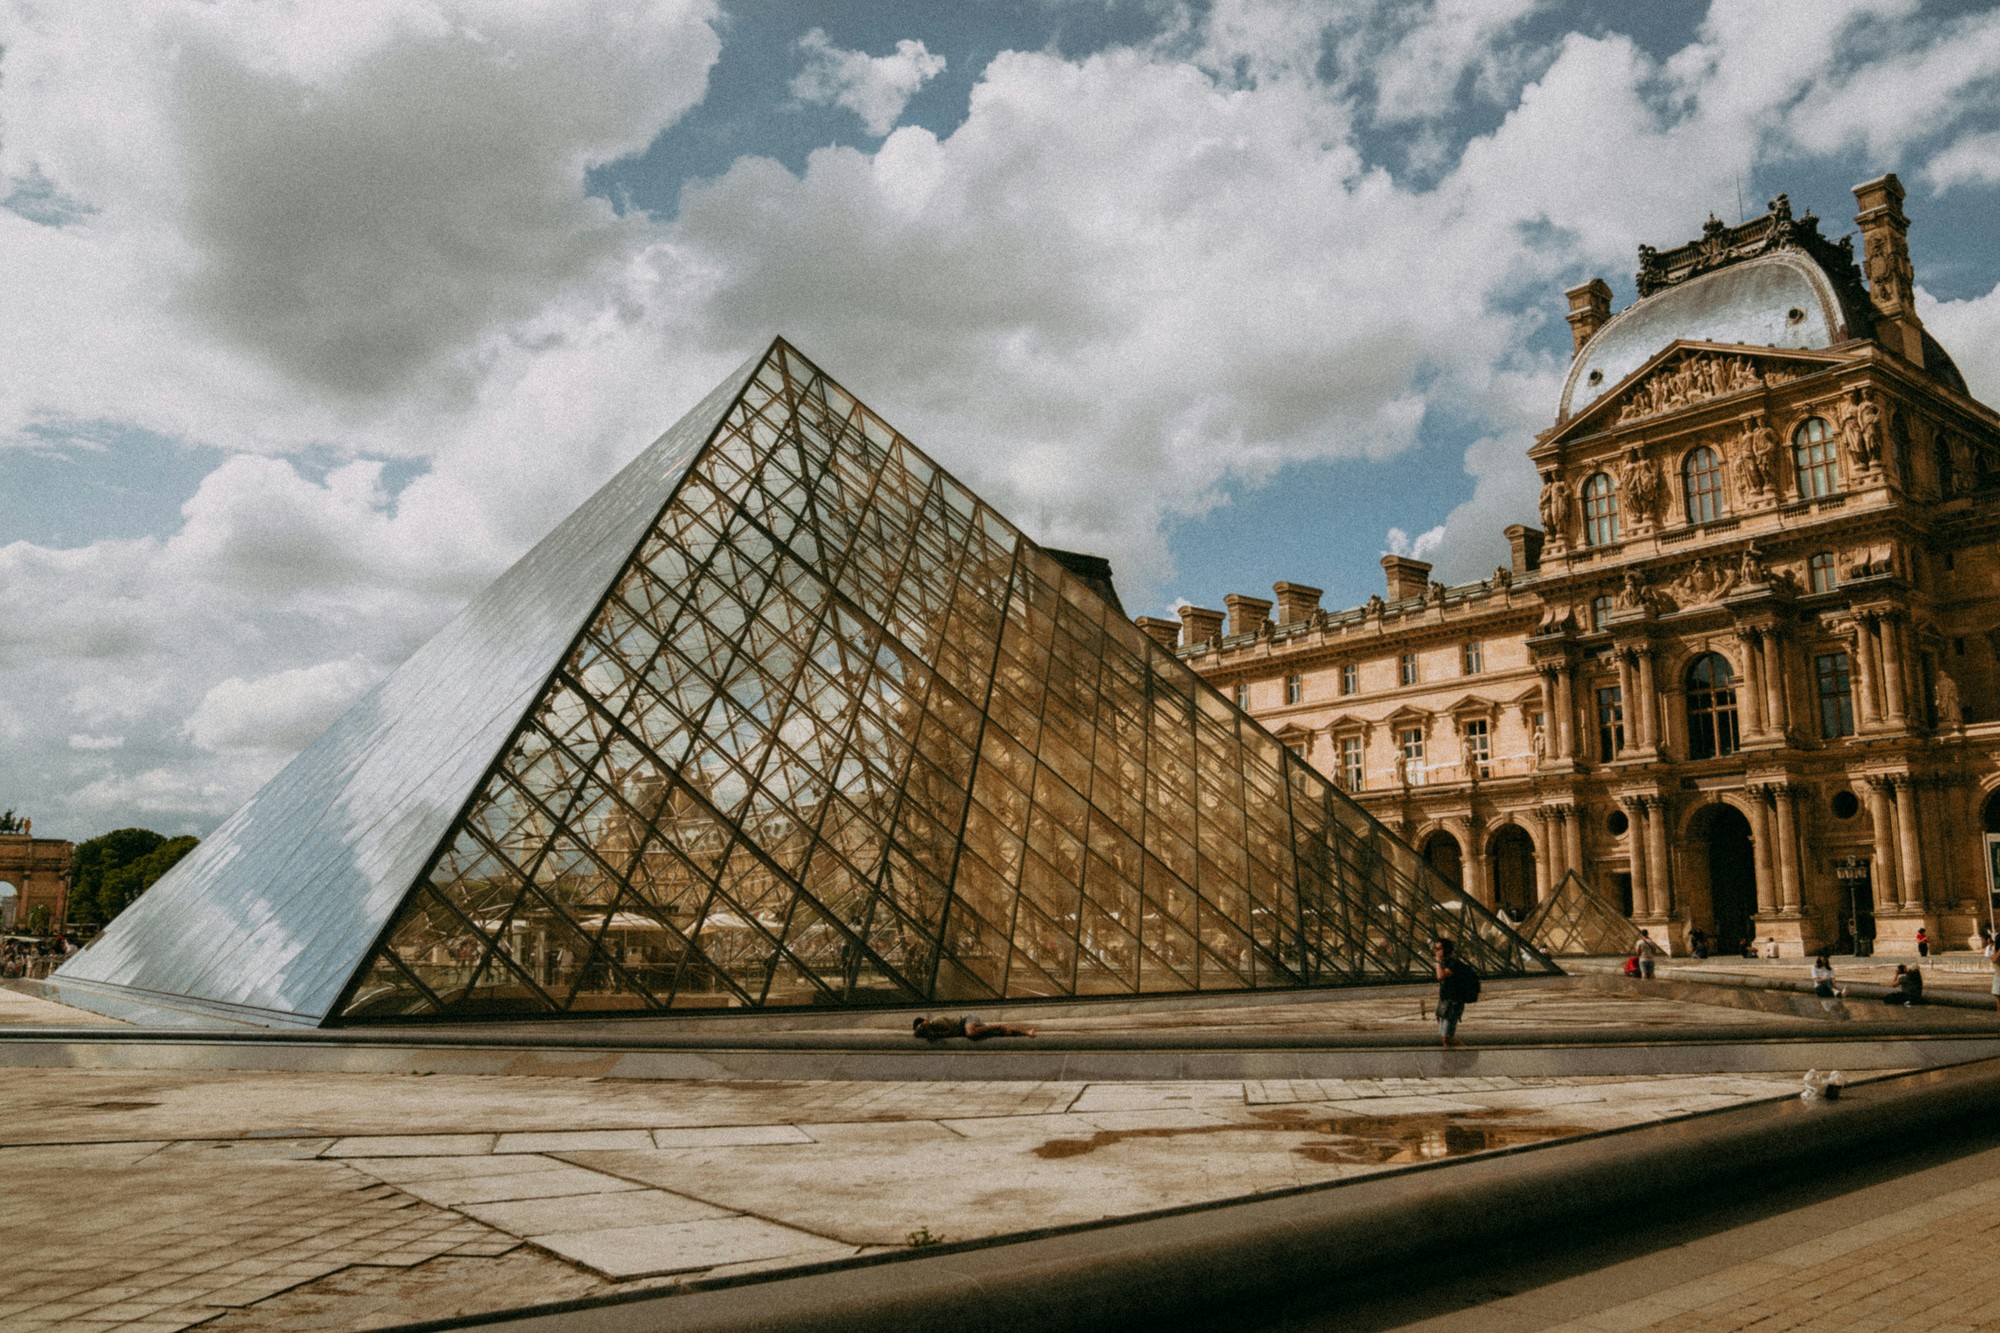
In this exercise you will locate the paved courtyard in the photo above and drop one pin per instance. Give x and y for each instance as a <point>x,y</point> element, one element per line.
<point>170,1198</point>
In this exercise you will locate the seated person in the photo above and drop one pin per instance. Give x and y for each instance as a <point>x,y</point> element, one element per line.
<point>1907,987</point>
<point>969,1027</point>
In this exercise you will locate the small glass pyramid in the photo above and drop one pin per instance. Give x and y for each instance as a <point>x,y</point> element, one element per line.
<point>830,731</point>
<point>1574,921</point>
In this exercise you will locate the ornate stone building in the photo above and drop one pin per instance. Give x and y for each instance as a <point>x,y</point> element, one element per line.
<point>1743,676</point>
<point>37,870</point>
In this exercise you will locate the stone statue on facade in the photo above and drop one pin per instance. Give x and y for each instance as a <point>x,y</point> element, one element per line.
<point>1639,478</point>
<point>1757,458</point>
<point>1752,568</point>
<point>1861,431</point>
<point>1555,506</point>
<point>1950,709</point>
<point>1402,768</point>
<point>1632,596</point>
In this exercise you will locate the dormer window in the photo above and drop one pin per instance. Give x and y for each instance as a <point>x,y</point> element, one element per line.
<point>1600,510</point>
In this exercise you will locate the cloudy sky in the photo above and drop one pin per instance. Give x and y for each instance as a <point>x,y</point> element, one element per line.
<point>313,317</point>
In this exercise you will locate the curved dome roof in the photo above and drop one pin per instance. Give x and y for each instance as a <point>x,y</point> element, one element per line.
<point>1781,299</point>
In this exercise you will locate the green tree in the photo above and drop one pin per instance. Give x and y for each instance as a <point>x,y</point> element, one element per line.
<point>111,870</point>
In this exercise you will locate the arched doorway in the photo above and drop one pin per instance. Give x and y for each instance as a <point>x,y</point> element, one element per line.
<point>1441,850</point>
<point>1512,853</point>
<point>1724,835</point>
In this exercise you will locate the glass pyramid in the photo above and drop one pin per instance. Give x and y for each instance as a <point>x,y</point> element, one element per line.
<point>830,731</point>
<point>1574,921</point>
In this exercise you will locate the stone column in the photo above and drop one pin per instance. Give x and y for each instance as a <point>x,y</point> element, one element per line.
<point>1777,706</point>
<point>1649,699</point>
<point>1882,866</point>
<point>1760,847</point>
<point>1566,710</point>
<point>1658,874</point>
<point>1864,671</point>
<point>1635,852</point>
<point>1550,733</point>
<point>1473,864</point>
<point>1788,849</point>
<point>1573,838</point>
<point>1910,868</point>
<point>1750,698</point>
<point>1892,672</point>
<point>1552,845</point>
<point>1628,701</point>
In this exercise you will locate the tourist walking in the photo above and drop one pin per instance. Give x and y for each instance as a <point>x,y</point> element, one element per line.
<point>1646,952</point>
<point>1458,985</point>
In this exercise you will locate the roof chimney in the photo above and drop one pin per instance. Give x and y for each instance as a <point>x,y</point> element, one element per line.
<point>1199,626</point>
<point>1166,633</point>
<point>1589,307</point>
<point>1885,258</point>
<point>1246,614</point>
<point>1296,602</point>
<point>1407,577</point>
<point>1524,548</point>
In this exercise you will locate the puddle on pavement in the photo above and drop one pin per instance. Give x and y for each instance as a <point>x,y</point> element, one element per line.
<point>1354,1139</point>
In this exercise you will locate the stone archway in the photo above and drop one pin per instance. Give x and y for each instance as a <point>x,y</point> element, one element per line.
<point>1511,858</point>
<point>1442,851</point>
<point>1724,857</point>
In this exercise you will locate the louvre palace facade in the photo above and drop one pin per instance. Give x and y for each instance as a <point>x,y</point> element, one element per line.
<point>1742,676</point>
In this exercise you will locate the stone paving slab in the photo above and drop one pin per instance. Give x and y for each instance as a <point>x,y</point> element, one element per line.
<point>689,1247</point>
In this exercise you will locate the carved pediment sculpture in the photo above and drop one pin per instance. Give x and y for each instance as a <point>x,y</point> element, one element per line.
<point>1634,595</point>
<point>1695,377</point>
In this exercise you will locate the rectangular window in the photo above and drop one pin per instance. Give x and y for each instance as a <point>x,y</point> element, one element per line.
<point>1352,776</point>
<point>1412,742</point>
<point>1406,668</point>
<point>1475,658</point>
<point>1610,722</point>
<point>1295,688</point>
<point>1836,695</point>
<point>1479,747</point>
<point>1243,695</point>
<point>1350,678</point>
<point>1819,572</point>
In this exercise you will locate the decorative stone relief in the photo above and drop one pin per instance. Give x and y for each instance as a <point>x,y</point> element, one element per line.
<point>1705,580</point>
<point>1951,711</point>
<point>1697,377</point>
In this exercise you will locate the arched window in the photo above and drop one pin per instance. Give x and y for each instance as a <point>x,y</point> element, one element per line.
<point>1600,510</point>
<point>1817,461</point>
<point>1701,476</point>
<point>1711,697</point>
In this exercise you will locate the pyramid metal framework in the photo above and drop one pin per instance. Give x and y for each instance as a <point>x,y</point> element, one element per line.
<point>1574,921</point>
<point>785,716</point>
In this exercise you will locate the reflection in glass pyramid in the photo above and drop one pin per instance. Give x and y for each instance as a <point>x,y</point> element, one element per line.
<point>837,733</point>
<point>1574,921</point>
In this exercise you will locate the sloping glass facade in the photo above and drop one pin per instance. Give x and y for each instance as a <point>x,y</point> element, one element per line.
<point>275,910</point>
<point>1575,921</point>
<point>838,733</point>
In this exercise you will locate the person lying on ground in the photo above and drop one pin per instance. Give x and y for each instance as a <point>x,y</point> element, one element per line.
<point>969,1027</point>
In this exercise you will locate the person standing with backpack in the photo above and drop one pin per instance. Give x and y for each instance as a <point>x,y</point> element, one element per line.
<point>1458,986</point>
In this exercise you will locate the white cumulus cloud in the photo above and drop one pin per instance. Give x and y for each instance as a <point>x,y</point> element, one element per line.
<point>281,711</point>
<point>875,88</point>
